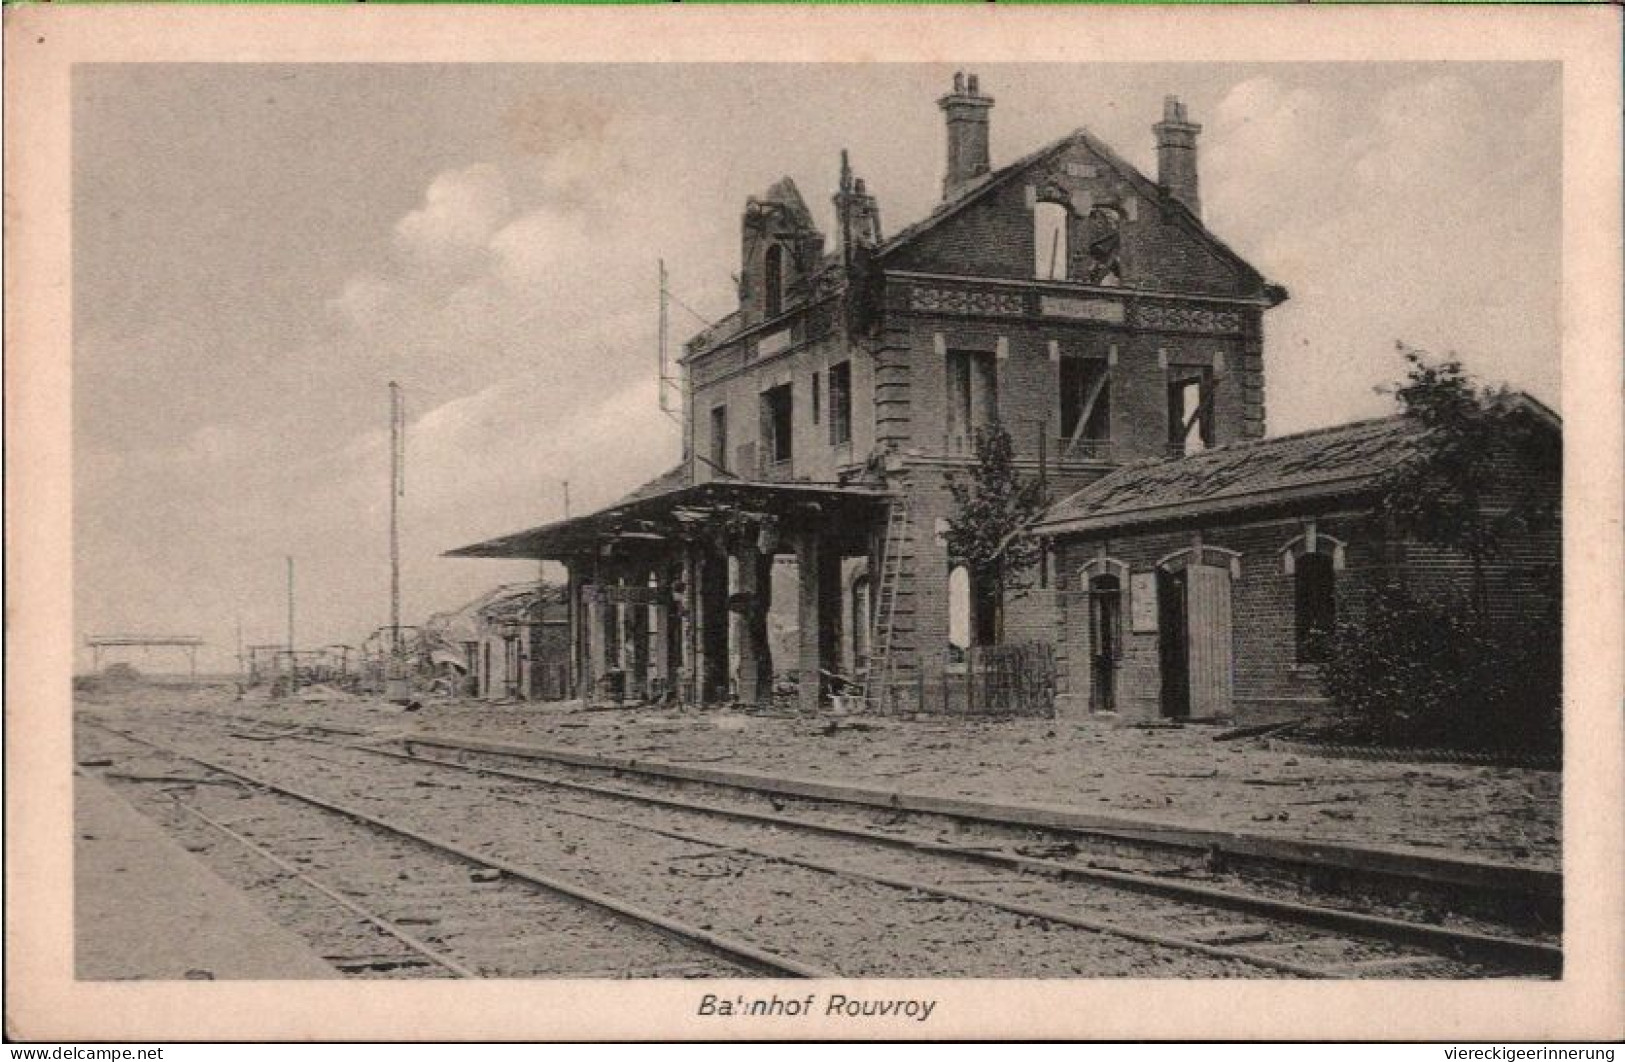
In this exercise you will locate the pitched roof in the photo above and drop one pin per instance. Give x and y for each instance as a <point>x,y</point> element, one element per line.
<point>1324,462</point>
<point>976,190</point>
<point>785,194</point>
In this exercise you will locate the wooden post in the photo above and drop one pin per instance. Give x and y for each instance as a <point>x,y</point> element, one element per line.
<point>597,646</point>
<point>572,657</point>
<point>810,565</point>
<point>755,655</point>
<point>661,613</point>
<point>711,659</point>
<point>637,635</point>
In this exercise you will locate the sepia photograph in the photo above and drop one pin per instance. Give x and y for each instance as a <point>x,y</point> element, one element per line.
<point>710,522</point>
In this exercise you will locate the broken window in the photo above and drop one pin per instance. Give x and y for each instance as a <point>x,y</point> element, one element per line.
<point>1086,405</point>
<point>840,403</point>
<point>960,617</point>
<point>1316,593</point>
<point>719,438</point>
<point>773,280</point>
<point>776,424</point>
<point>973,396</point>
<point>1049,240</point>
<point>1190,410</point>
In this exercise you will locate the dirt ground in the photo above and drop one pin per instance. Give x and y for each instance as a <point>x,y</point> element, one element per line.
<point>1178,776</point>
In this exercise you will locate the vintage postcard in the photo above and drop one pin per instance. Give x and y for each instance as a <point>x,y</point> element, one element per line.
<point>790,523</point>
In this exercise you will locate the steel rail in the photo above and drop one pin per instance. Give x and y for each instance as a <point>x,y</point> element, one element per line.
<point>345,902</point>
<point>891,881</point>
<point>913,885</point>
<point>1520,954</point>
<point>1523,954</point>
<point>729,947</point>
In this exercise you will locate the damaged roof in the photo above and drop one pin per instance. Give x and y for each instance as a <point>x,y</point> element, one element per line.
<point>784,194</point>
<point>666,511</point>
<point>668,481</point>
<point>976,190</point>
<point>1325,462</point>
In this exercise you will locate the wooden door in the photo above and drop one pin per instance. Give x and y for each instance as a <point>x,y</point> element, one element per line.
<point>1208,631</point>
<point>1106,641</point>
<point>1173,644</point>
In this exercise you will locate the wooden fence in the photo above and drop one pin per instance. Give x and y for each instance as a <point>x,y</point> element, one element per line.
<point>995,680</point>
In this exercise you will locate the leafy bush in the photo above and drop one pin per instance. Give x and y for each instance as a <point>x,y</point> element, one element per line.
<point>1419,674</point>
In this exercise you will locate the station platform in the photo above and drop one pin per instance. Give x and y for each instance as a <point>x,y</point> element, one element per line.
<point>147,909</point>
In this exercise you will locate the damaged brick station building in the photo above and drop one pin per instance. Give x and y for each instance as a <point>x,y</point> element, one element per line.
<point>1068,297</point>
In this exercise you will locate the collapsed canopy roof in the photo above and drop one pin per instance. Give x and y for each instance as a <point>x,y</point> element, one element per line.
<point>684,513</point>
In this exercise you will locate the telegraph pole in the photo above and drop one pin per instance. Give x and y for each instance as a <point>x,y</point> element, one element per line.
<point>397,486</point>
<point>293,660</point>
<point>397,684</point>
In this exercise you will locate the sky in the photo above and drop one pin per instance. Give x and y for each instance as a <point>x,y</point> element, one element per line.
<point>259,249</point>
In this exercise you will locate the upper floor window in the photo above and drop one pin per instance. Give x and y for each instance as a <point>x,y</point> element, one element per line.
<point>818,400</point>
<point>776,424</point>
<point>1314,585</point>
<point>1049,240</point>
<point>773,280</point>
<point>1190,410</point>
<point>973,395</point>
<point>840,403</point>
<point>1086,404</point>
<point>719,438</point>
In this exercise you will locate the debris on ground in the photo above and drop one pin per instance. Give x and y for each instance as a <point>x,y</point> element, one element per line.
<point>1258,731</point>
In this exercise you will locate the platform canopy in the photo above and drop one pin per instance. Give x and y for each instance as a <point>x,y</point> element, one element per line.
<point>688,512</point>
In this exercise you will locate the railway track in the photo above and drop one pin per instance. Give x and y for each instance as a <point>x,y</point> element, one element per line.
<point>378,900</point>
<point>851,879</point>
<point>1460,894</point>
<point>1429,893</point>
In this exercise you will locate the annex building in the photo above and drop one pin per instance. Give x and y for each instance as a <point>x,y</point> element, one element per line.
<point>1081,304</point>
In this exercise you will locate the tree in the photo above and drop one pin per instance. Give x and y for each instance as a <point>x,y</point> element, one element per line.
<point>1438,496</point>
<point>987,532</point>
<point>1412,670</point>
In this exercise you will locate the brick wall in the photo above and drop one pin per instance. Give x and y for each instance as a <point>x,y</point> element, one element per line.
<point>737,373</point>
<point>1268,681</point>
<point>1029,399</point>
<point>1160,249</point>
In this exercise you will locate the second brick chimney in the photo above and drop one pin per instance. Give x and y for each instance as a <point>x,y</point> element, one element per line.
<point>967,113</point>
<point>1176,154</point>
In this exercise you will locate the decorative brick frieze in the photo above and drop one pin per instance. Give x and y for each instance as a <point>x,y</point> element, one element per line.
<point>966,301</point>
<point>1171,318</point>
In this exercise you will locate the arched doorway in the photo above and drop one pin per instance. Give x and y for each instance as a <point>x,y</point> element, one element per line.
<point>1195,650</point>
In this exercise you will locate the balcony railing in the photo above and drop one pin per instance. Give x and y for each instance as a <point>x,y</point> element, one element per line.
<point>1064,449</point>
<point>1060,450</point>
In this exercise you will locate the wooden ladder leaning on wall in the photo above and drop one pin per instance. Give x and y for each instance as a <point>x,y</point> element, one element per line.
<point>878,683</point>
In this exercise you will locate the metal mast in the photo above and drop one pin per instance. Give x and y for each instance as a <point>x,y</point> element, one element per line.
<point>397,488</point>
<point>293,659</point>
<point>666,379</point>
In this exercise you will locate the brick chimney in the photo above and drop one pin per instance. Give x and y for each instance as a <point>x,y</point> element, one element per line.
<point>856,211</point>
<point>1176,154</point>
<point>967,110</point>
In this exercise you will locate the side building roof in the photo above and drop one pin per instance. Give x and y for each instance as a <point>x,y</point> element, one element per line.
<point>1326,462</point>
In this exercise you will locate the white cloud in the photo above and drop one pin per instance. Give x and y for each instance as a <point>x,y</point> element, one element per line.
<point>460,211</point>
<point>365,300</point>
<point>1429,136</point>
